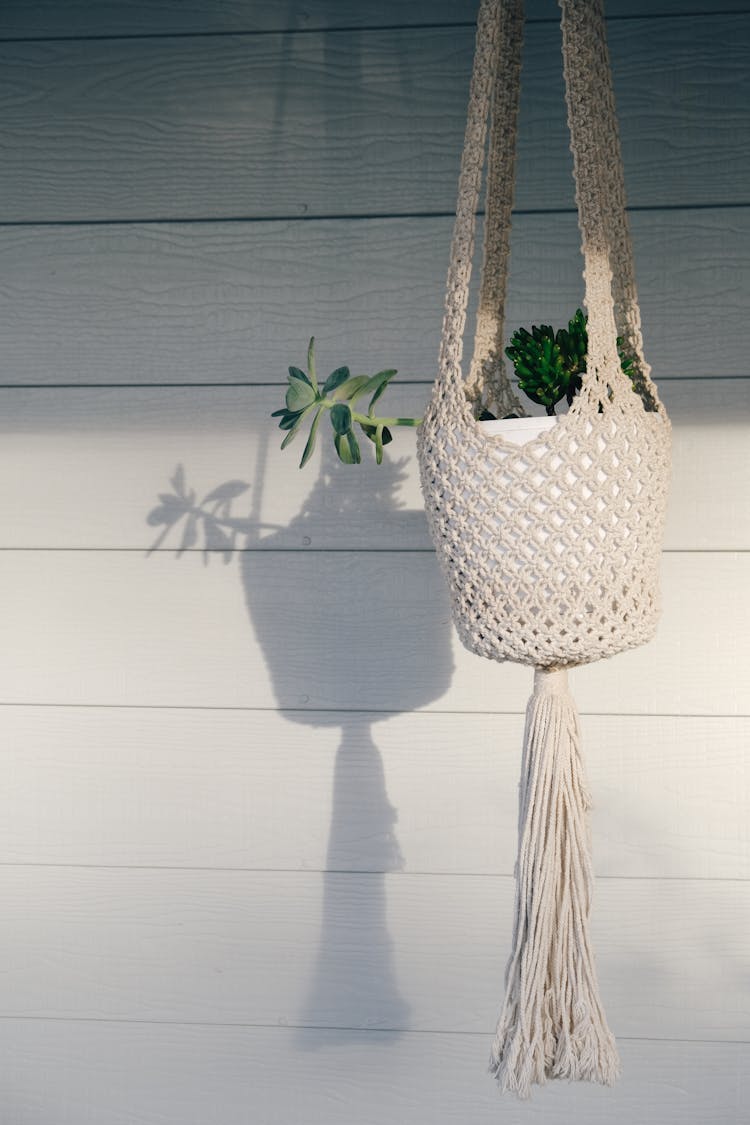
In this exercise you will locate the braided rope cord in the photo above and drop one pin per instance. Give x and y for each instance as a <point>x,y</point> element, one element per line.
<point>449,383</point>
<point>550,550</point>
<point>600,195</point>
<point>583,23</point>
<point>611,293</point>
<point>488,384</point>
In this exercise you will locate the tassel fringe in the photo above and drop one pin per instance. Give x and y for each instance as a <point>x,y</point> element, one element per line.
<point>552,1024</point>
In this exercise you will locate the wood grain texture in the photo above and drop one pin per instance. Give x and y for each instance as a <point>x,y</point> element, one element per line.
<point>289,630</point>
<point>183,851</point>
<point>120,1074</point>
<point>352,122</point>
<point>228,303</point>
<point>84,467</point>
<point>369,792</point>
<point>42,18</point>
<point>423,953</point>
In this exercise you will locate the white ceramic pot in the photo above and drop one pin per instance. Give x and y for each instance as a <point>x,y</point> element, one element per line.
<point>519,430</point>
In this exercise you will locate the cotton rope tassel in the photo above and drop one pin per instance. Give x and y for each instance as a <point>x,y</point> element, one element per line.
<point>552,1023</point>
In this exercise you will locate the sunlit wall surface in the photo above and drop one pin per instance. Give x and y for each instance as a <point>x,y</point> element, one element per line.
<point>257,810</point>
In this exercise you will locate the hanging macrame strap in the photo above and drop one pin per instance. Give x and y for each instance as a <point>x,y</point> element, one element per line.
<point>488,382</point>
<point>450,380</point>
<point>600,195</point>
<point>611,295</point>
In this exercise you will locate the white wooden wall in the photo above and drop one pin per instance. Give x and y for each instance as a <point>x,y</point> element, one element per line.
<point>257,815</point>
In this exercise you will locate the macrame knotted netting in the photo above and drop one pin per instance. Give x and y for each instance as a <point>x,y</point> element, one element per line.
<point>551,549</point>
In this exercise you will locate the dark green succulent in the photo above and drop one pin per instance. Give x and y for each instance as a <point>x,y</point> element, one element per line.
<point>549,365</point>
<point>306,403</point>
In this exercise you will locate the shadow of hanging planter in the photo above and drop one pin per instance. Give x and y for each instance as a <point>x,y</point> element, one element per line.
<point>340,632</point>
<point>332,634</point>
<point>337,627</point>
<point>339,655</point>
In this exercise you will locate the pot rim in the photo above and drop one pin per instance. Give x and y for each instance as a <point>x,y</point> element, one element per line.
<point>538,422</point>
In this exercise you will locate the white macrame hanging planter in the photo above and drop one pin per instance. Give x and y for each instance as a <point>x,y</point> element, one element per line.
<point>550,549</point>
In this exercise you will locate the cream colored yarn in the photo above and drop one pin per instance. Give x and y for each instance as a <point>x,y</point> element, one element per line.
<point>550,550</point>
<point>552,1023</point>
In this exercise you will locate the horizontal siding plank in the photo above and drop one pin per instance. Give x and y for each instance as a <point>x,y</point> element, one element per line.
<point>119,1074</point>
<point>348,123</point>
<point>120,447</point>
<point>41,18</point>
<point>219,128</point>
<point>354,950</point>
<point>234,303</point>
<point>417,792</point>
<point>329,631</point>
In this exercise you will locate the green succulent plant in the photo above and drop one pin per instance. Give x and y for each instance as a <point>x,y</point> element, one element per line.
<point>549,365</point>
<point>307,402</point>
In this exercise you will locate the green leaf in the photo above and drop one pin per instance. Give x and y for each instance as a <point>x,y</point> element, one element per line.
<point>354,447</point>
<point>311,362</point>
<point>347,448</point>
<point>335,379</point>
<point>295,373</point>
<point>535,394</point>
<point>294,428</point>
<point>290,418</point>
<point>341,418</point>
<point>379,435</point>
<point>291,435</point>
<point>299,395</point>
<point>377,384</point>
<point>343,450</point>
<point>351,389</point>
<point>310,446</point>
<point>382,437</point>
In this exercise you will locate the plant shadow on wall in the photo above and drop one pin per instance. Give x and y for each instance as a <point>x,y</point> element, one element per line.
<point>331,627</point>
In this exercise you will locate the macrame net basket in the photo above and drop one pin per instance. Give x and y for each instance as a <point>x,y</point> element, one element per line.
<point>550,550</point>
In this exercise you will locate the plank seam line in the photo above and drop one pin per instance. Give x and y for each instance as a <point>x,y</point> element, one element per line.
<point>344,29</point>
<point>255,33</point>
<point>269,551</point>
<point>355,872</point>
<point>328,1028</point>
<point>708,379</point>
<point>354,217</point>
<point>394,713</point>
